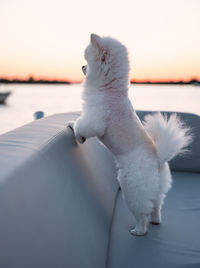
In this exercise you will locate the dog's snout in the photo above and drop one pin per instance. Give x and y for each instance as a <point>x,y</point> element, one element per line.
<point>84,69</point>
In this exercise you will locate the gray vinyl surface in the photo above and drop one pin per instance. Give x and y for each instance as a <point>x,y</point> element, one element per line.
<point>61,206</point>
<point>173,243</point>
<point>56,197</point>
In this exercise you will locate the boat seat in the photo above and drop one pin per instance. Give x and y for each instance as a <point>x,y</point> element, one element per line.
<point>61,206</point>
<point>173,243</point>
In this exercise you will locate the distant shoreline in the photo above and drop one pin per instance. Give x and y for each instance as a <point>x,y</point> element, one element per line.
<point>45,81</point>
<point>33,81</point>
<point>190,82</point>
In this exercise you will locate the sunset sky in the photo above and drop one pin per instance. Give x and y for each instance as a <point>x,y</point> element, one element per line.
<point>46,39</point>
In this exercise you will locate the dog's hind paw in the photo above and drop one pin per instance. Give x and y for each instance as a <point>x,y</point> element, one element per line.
<point>155,217</point>
<point>155,223</point>
<point>138,232</point>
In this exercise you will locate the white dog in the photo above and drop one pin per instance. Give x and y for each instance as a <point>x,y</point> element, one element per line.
<point>141,151</point>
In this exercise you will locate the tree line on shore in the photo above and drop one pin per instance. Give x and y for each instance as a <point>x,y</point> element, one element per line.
<point>31,80</point>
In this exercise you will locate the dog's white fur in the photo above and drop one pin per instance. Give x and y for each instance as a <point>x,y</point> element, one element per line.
<point>141,151</point>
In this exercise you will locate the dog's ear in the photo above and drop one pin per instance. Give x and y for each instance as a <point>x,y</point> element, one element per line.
<point>104,55</point>
<point>95,40</point>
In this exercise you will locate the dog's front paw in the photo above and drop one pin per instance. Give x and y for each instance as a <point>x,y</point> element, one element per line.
<point>80,139</point>
<point>71,125</point>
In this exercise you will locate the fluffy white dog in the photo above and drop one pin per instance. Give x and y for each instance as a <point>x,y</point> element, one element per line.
<point>141,151</point>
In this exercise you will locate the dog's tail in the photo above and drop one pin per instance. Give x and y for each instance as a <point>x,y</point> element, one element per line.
<point>170,135</point>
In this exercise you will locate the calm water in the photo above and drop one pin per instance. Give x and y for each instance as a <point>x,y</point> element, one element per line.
<point>26,99</point>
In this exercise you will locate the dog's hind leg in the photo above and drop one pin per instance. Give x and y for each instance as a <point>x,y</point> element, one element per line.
<point>141,225</point>
<point>156,213</point>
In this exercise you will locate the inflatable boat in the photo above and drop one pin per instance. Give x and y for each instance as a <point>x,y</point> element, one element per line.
<point>61,205</point>
<point>4,96</point>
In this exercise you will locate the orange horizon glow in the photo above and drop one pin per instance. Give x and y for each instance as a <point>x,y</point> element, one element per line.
<point>74,81</point>
<point>139,72</point>
<point>36,78</point>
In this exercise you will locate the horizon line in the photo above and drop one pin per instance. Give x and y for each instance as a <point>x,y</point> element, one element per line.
<point>32,79</point>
